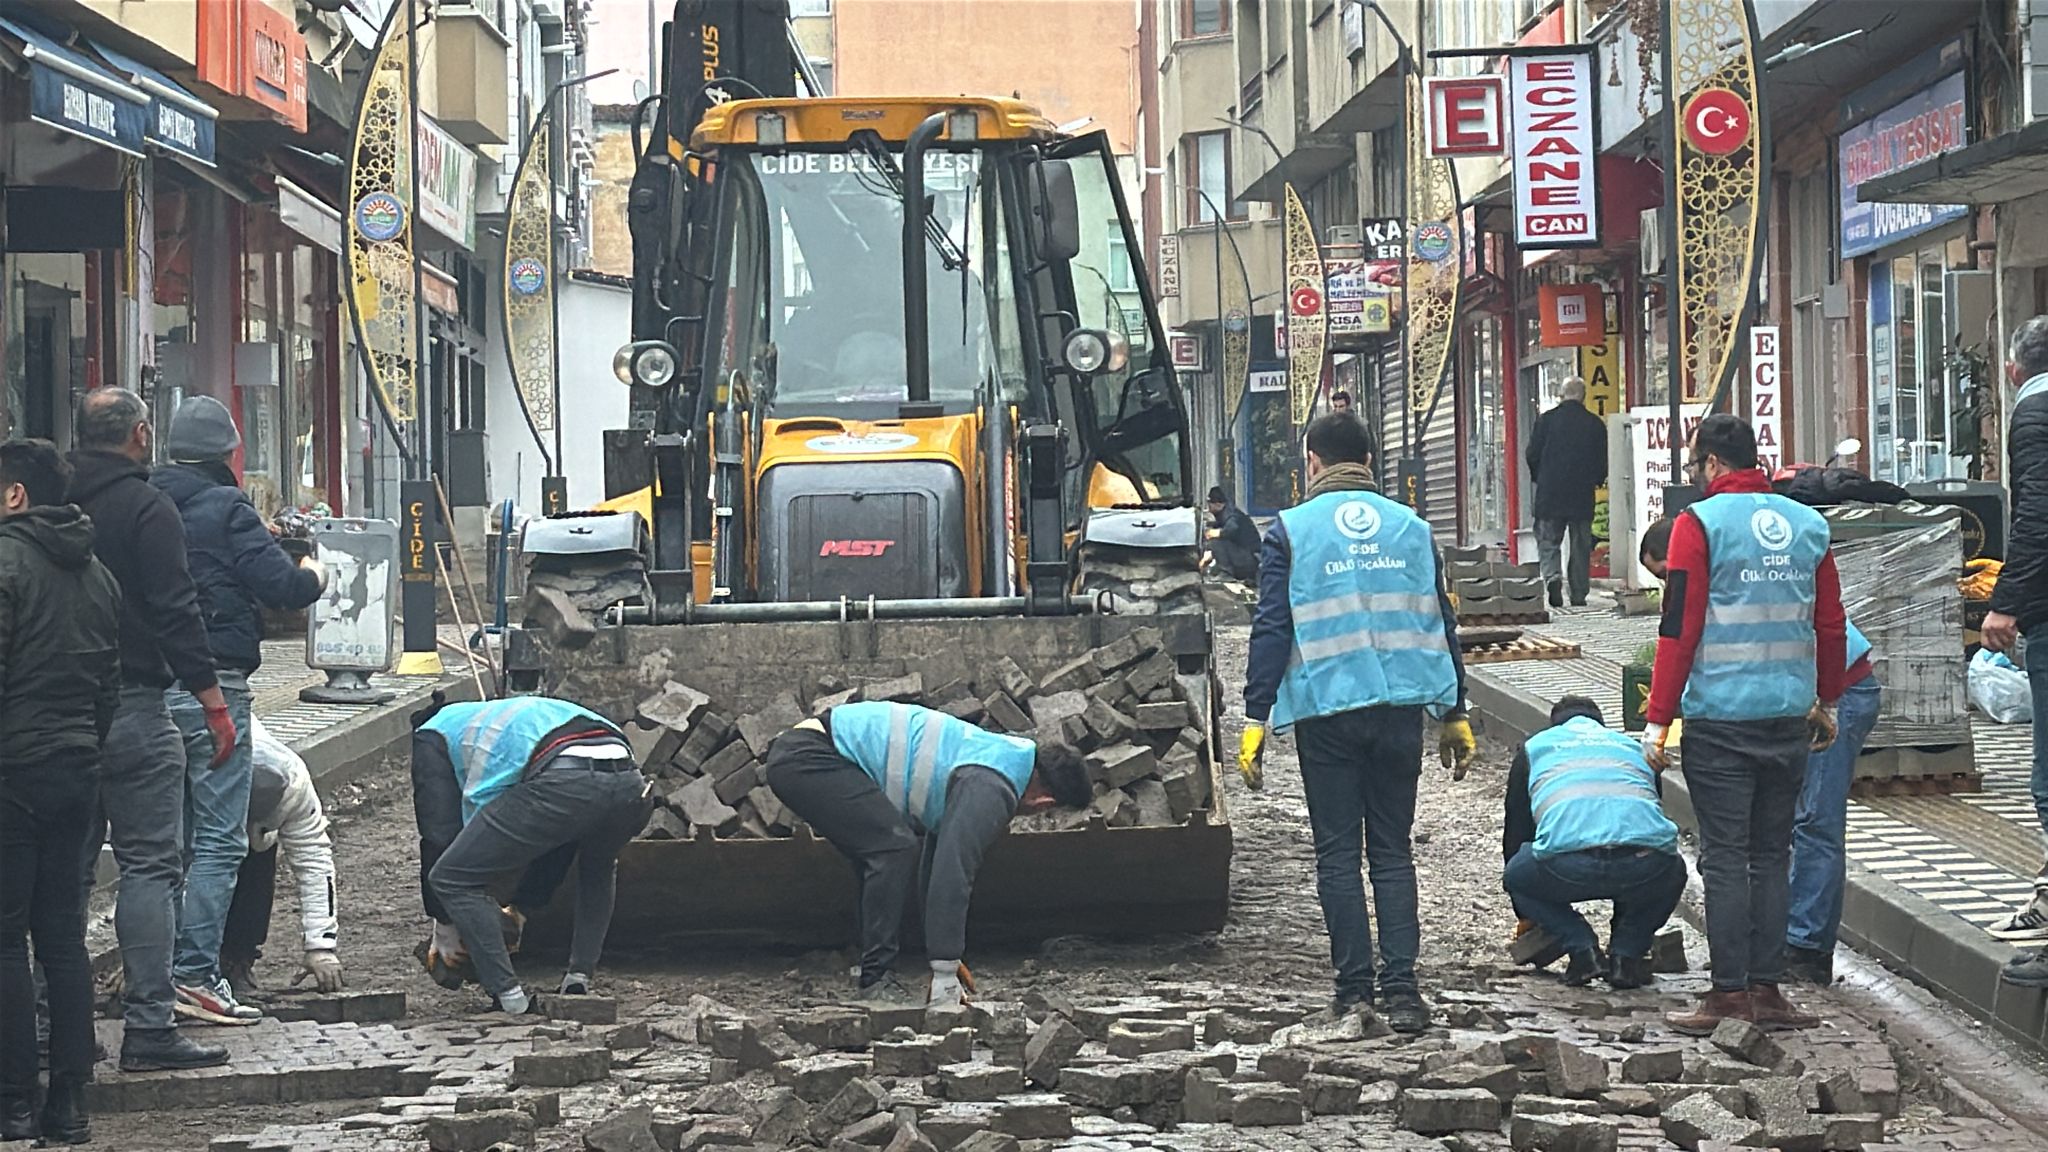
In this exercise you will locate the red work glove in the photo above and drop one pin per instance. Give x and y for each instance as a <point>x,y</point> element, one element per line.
<point>222,726</point>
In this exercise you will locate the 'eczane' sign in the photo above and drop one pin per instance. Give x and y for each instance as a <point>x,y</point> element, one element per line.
<point>1557,187</point>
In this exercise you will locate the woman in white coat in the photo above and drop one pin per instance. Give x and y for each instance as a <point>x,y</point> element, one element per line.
<point>284,812</point>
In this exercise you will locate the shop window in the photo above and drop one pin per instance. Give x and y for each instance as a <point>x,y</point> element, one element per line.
<point>1204,17</point>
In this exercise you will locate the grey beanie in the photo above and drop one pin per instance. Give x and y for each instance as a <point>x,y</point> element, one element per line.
<point>202,430</point>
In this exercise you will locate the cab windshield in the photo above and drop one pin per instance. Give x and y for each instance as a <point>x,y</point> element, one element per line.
<point>813,279</point>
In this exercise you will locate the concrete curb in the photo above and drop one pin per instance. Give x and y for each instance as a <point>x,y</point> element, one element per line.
<point>1907,933</point>
<point>351,749</point>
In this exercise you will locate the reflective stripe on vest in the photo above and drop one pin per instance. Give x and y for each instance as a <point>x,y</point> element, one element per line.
<point>912,752</point>
<point>1755,656</point>
<point>1368,623</point>
<point>492,742</point>
<point>1590,788</point>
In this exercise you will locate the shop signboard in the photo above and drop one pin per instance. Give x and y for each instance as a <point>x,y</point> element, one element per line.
<point>1571,315</point>
<point>1766,356</point>
<point>1185,349</point>
<point>1269,380</point>
<point>1169,265</point>
<point>1925,125</point>
<point>1465,117</point>
<point>67,91</point>
<point>1599,366</point>
<point>1555,152</point>
<point>249,49</point>
<point>447,185</point>
<point>1649,434</point>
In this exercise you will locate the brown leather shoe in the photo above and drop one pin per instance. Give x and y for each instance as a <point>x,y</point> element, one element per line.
<point>1774,1012</point>
<point>1713,1008</point>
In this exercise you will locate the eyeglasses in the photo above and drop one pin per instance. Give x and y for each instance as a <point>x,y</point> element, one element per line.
<point>1693,468</point>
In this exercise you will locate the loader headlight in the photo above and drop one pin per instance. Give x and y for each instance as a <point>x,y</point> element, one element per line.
<point>1092,350</point>
<point>648,363</point>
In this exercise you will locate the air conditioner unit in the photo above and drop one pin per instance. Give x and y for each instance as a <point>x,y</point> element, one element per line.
<point>1651,241</point>
<point>1344,234</point>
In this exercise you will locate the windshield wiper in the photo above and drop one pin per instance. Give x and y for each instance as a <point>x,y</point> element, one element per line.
<point>949,253</point>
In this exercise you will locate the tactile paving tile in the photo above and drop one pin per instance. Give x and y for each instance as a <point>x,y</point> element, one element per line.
<point>275,690</point>
<point>1971,854</point>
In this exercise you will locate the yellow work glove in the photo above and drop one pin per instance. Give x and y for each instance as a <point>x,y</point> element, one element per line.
<point>1251,756</point>
<point>1455,744</point>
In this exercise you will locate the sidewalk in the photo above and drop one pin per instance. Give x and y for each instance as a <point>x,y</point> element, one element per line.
<point>1927,873</point>
<point>338,741</point>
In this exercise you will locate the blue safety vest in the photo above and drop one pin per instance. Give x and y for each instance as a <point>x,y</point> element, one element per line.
<point>1755,658</point>
<point>1368,624</point>
<point>912,753</point>
<point>1859,645</point>
<point>1590,787</point>
<point>493,742</point>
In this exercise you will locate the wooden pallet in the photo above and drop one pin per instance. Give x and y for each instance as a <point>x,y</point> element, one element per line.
<point>1918,785</point>
<point>1907,770</point>
<point>1526,648</point>
<point>1503,620</point>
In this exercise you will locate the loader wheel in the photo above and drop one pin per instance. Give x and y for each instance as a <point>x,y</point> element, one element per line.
<point>1142,581</point>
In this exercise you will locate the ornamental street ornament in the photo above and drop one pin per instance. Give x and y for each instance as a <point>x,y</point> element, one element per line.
<point>1435,272</point>
<point>1307,331</point>
<point>527,300</point>
<point>377,246</point>
<point>1710,79</point>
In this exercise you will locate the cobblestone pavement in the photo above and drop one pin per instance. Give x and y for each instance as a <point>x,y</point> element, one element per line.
<point>1182,1044</point>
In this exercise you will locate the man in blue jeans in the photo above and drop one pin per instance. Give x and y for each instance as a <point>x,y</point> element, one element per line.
<point>1820,864</point>
<point>1584,823</point>
<point>239,568</point>
<point>1353,642</point>
<point>2019,607</point>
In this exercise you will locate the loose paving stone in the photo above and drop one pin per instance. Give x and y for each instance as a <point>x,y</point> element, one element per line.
<point>1657,1066</point>
<point>1628,1102</point>
<point>858,1100</point>
<point>1562,1132</point>
<point>1748,1043</point>
<point>1727,1096</point>
<point>1379,1096</point>
<point>1500,1079</point>
<point>1285,1065</point>
<point>562,1069</point>
<point>477,1131</point>
<point>918,1056</point>
<point>337,1008</point>
<point>909,1139</point>
<point>949,1124</point>
<point>1035,1117</point>
<point>1130,1039</point>
<point>1266,1106</point>
<point>1051,1048</point>
<point>817,1079</point>
<point>1667,952</point>
<point>1850,1132</point>
<point>627,1037</point>
<point>1533,1105</point>
<point>784,1118</point>
<point>1436,1112</point>
<point>582,1009</point>
<point>1697,1119</point>
<point>1329,1095</point>
<point>988,1142</point>
<point>631,1130</point>
<point>1575,1072</point>
<point>971,1081</point>
<point>941,1019</point>
<point>884,1019</point>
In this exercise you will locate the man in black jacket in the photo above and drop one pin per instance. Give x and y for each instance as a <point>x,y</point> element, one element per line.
<point>60,674</point>
<point>239,568</point>
<point>1567,456</point>
<point>2019,606</point>
<point>1233,539</point>
<point>138,536</point>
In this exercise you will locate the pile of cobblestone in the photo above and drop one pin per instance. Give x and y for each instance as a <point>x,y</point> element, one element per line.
<point>1141,723</point>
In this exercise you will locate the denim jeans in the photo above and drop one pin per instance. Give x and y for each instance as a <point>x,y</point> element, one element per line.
<point>596,805</point>
<point>216,827</point>
<point>1575,570</point>
<point>2036,641</point>
<point>1359,770</point>
<point>1745,777</point>
<point>141,813</point>
<point>1819,864</point>
<point>1644,884</point>
<point>45,813</point>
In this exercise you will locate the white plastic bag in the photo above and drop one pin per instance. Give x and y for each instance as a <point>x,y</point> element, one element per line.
<point>2000,690</point>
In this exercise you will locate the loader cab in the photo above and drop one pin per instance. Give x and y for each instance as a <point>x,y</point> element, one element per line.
<point>849,466</point>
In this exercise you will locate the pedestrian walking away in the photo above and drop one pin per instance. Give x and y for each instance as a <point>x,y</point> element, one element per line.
<point>1567,457</point>
<point>499,784</point>
<point>1584,822</point>
<point>1353,641</point>
<point>239,569</point>
<point>1753,646</point>
<point>1233,540</point>
<point>1820,860</point>
<point>285,817</point>
<point>138,535</point>
<point>875,777</point>
<point>60,679</point>
<point>2017,622</point>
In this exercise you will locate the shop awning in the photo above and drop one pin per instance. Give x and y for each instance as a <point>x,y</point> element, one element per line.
<point>2000,170</point>
<point>179,122</point>
<point>68,91</point>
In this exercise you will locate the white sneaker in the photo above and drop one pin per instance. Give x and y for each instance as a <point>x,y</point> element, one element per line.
<point>2029,925</point>
<point>214,1003</point>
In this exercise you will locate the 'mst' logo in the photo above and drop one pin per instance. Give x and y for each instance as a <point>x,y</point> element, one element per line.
<point>854,547</point>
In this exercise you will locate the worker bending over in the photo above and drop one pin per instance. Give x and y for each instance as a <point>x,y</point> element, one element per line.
<point>1584,823</point>
<point>284,813</point>
<point>499,783</point>
<point>873,777</point>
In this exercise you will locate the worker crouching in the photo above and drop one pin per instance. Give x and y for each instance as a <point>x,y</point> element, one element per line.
<point>873,777</point>
<point>499,784</point>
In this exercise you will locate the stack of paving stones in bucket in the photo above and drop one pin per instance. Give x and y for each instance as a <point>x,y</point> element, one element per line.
<point>1492,591</point>
<point>1899,566</point>
<point>1124,705</point>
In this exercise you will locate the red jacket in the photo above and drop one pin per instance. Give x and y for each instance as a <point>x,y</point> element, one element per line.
<point>1685,609</point>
